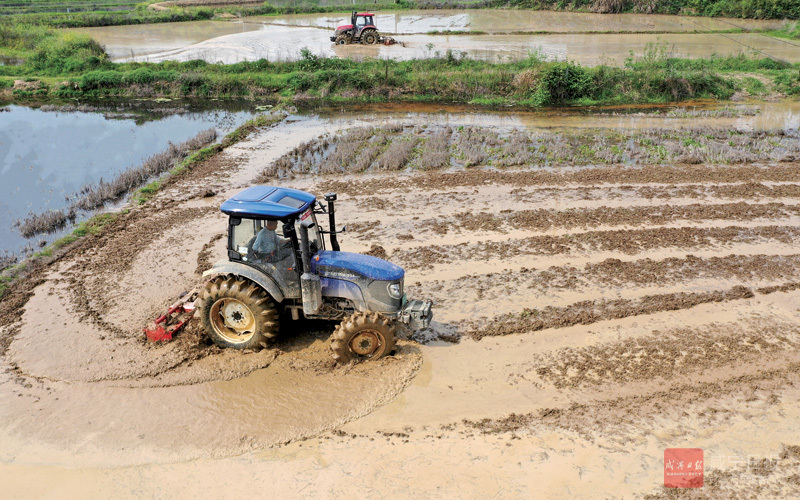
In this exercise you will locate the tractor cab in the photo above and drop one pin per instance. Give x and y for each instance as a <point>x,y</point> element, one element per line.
<point>363,20</point>
<point>277,262</point>
<point>262,232</point>
<point>361,29</point>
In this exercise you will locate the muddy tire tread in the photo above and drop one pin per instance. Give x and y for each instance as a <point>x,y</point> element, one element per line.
<point>355,323</point>
<point>257,299</point>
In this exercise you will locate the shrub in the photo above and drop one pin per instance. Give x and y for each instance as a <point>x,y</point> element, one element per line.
<point>100,79</point>
<point>68,52</point>
<point>564,81</point>
<point>140,76</point>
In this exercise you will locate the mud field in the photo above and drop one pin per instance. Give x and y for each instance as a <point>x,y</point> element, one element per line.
<point>588,315</point>
<point>491,35</point>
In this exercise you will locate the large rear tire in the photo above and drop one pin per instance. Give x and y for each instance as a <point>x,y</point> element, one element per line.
<point>237,313</point>
<point>370,38</point>
<point>363,336</point>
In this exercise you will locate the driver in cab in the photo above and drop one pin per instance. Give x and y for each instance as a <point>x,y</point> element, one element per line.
<point>268,246</point>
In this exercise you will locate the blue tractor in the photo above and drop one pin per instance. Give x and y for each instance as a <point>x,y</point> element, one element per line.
<point>278,267</point>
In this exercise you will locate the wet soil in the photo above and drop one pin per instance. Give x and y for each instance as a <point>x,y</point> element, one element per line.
<point>497,35</point>
<point>602,314</point>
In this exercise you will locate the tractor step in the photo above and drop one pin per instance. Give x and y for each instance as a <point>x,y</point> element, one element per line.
<point>178,314</point>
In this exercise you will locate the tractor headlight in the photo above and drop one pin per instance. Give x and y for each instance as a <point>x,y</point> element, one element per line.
<point>395,290</point>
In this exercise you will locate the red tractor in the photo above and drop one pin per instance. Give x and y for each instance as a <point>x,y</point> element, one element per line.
<point>361,29</point>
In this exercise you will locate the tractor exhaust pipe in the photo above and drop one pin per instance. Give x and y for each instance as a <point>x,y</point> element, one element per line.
<point>330,198</point>
<point>310,284</point>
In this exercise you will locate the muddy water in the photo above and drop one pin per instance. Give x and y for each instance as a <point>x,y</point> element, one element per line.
<point>281,43</point>
<point>127,41</point>
<point>783,115</point>
<point>568,37</point>
<point>279,403</point>
<point>503,21</point>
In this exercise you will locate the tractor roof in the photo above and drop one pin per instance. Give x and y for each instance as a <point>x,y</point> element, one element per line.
<point>365,14</point>
<point>268,202</point>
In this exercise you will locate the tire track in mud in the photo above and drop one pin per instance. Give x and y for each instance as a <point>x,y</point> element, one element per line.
<point>626,241</point>
<point>91,278</point>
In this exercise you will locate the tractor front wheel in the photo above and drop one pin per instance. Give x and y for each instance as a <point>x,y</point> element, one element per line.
<point>362,336</point>
<point>342,40</point>
<point>370,38</point>
<point>237,313</point>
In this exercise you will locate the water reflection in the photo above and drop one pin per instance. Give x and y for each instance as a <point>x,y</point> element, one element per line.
<point>46,156</point>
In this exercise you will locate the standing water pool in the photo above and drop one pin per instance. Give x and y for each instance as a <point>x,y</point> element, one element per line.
<point>46,156</point>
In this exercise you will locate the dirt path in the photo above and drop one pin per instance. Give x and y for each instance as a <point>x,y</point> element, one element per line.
<point>585,321</point>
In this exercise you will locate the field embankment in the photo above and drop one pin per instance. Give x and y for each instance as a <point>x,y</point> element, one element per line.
<point>74,66</point>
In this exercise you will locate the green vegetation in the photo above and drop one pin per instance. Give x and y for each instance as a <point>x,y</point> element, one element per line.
<point>72,66</point>
<point>756,9</point>
<point>68,65</point>
<point>789,30</point>
<point>121,12</point>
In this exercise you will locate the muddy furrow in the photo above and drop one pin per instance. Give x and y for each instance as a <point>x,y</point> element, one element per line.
<point>748,270</point>
<point>626,241</point>
<point>680,352</point>
<point>591,311</point>
<point>580,197</point>
<point>589,176</point>
<point>548,219</point>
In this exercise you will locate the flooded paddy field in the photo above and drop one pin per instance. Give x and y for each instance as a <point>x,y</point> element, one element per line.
<point>589,39</point>
<point>588,314</point>
<point>48,154</point>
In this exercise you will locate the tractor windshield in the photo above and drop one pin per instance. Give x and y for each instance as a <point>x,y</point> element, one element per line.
<point>262,241</point>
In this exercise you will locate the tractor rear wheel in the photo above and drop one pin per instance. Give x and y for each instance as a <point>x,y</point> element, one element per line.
<point>237,313</point>
<point>370,38</point>
<point>362,336</point>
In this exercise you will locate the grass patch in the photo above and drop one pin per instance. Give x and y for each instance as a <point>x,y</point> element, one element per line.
<point>754,86</point>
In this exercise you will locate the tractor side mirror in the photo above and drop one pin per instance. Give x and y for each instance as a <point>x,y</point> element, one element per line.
<point>288,230</point>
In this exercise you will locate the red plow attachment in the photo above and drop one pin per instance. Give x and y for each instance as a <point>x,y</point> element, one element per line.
<point>179,313</point>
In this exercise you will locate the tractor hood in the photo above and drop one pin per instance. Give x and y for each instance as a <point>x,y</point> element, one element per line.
<point>344,27</point>
<point>329,263</point>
